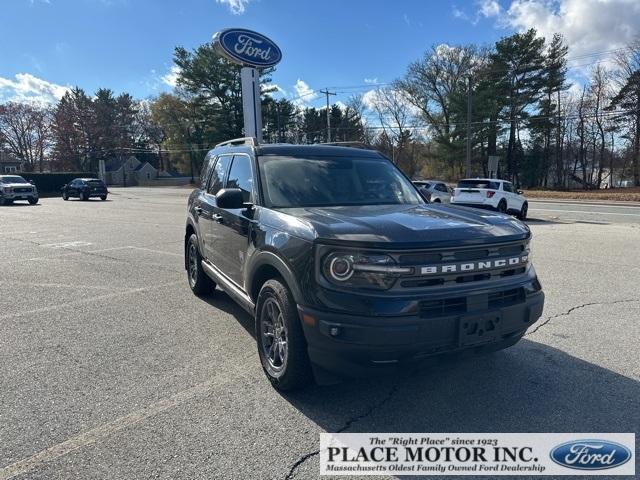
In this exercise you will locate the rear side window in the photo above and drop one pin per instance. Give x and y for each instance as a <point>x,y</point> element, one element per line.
<point>441,187</point>
<point>218,173</point>
<point>96,183</point>
<point>508,187</point>
<point>206,169</point>
<point>240,176</point>
<point>479,184</point>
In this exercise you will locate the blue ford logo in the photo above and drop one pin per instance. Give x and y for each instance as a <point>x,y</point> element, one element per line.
<point>590,454</point>
<point>247,47</point>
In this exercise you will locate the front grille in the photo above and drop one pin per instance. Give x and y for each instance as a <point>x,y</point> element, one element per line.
<point>22,190</point>
<point>461,258</point>
<point>460,305</point>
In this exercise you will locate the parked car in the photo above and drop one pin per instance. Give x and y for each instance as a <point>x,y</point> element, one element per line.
<point>435,190</point>
<point>345,268</point>
<point>14,187</point>
<point>84,189</point>
<point>491,193</point>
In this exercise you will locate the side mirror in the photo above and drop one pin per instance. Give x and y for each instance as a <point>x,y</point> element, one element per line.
<point>519,192</point>
<point>32,182</point>
<point>230,198</point>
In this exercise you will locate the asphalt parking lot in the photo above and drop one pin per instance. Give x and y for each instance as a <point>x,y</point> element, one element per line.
<point>111,368</point>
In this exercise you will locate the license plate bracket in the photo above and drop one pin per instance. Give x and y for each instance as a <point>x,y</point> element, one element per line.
<point>478,329</point>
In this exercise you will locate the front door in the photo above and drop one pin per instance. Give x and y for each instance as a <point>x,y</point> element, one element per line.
<point>206,210</point>
<point>233,226</point>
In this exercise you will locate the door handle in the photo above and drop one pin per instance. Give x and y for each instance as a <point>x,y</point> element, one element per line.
<point>199,210</point>
<point>218,218</point>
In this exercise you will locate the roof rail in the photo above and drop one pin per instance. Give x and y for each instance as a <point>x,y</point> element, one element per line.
<point>353,144</point>
<point>253,141</point>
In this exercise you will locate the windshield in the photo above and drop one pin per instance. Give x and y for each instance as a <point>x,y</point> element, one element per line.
<point>478,184</point>
<point>12,179</point>
<point>332,181</point>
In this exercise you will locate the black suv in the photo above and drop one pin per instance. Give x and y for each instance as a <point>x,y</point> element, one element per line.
<point>344,266</point>
<point>84,189</point>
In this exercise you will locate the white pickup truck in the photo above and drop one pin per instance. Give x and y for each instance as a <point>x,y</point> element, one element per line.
<point>14,187</point>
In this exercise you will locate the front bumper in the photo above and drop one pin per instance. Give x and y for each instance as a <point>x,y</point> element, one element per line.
<point>18,195</point>
<point>354,346</point>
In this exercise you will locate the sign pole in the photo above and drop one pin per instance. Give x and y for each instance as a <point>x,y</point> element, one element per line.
<point>251,104</point>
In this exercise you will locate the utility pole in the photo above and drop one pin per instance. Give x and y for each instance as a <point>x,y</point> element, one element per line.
<point>468,164</point>
<point>327,93</point>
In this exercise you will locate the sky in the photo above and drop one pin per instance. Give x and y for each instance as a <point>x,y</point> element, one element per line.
<point>350,46</point>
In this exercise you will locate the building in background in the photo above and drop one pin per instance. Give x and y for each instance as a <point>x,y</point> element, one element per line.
<point>9,163</point>
<point>129,171</point>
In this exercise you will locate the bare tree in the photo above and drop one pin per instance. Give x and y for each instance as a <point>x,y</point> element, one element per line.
<point>25,132</point>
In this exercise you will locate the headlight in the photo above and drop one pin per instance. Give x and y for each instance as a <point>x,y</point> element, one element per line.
<point>362,270</point>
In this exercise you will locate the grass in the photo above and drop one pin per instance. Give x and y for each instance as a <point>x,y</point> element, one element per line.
<point>613,194</point>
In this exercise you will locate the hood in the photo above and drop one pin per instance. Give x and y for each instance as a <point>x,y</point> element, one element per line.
<point>409,225</point>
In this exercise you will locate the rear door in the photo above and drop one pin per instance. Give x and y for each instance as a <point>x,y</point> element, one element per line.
<point>233,226</point>
<point>514,201</point>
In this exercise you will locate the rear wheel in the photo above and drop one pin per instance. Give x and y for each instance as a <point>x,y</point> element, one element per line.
<point>281,344</point>
<point>523,211</point>
<point>103,198</point>
<point>33,200</point>
<point>199,281</point>
<point>502,206</point>
<point>83,196</point>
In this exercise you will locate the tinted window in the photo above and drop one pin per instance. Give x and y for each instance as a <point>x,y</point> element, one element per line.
<point>327,181</point>
<point>478,184</point>
<point>12,179</point>
<point>240,176</point>
<point>217,174</point>
<point>507,187</point>
<point>206,169</point>
<point>96,183</point>
<point>426,185</point>
<point>441,187</point>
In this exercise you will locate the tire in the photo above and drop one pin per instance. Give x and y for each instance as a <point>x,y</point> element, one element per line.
<point>199,281</point>
<point>286,365</point>
<point>65,196</point>
<point>33,200</point>
<point>502,206</point>
<point>523,211</point>
<point>437,200</point>
<point>8,201</point>
<point>83,197</point>
<point>103,198</point>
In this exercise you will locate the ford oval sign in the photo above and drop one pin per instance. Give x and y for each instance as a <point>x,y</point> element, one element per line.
<point>590,454</point>
<point>247,47</point>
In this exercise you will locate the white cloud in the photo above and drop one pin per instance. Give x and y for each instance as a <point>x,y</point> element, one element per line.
<point>237,7</point>
<point>371,80</point>
<point>304,93</point>
<point>27,88</point>
<point>489,8</point>
<point>588,26</point>
<point>171,77</point>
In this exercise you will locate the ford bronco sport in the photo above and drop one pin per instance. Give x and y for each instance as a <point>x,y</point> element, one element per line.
<point>344,266</point>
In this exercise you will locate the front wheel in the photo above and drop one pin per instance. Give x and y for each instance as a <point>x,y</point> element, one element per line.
<point>33,200</point>
<point>65,196</point>
<point>83,196</point>
<point>103,198</point>
<point>281,344</point>
<point>199,281</point>
<point>523,212</point>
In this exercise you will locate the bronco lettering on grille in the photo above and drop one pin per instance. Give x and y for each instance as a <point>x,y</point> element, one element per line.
<point>473,266</point>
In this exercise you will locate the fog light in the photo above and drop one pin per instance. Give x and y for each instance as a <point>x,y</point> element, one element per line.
<point>334,331</point>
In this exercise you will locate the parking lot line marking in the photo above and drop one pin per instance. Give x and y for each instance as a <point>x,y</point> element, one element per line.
<point>90,299</point>
<point>158,251</point>
<point>55,285</point>
<point>91,436</point>
<point>583,211</point>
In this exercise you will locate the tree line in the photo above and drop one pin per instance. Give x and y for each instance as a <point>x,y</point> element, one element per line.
<point>510,100</point>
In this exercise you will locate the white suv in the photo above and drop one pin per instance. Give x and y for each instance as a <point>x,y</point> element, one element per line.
<point>436,191</point>
<point>490,193</point>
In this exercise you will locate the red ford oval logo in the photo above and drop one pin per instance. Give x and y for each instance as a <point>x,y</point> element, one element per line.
<point>247,47</point>
<point>590,454</point>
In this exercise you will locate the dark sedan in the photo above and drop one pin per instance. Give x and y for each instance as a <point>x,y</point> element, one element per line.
<point>84,189</point>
